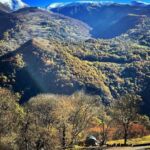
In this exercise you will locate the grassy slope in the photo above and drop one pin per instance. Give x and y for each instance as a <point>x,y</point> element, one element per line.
<point>143,140</point>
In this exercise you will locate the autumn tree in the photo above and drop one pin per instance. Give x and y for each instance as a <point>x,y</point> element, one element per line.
<point>62,117</point>
<point>73,115</point>
<point>38,131</point>
<point>11,116</point>
<point>104,122</point>
<point>53,121</point>
<point>83,113</point>
<point>125,111</point>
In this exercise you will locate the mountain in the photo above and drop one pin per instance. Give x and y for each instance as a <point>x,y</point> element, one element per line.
<point>7,20</point>
<point>139,3</point>
<point>140,33</point>
<point>4,8</point>
<point>47,66</point>
<point>14,4</point>
<point>46,52</point>
<point>107,68</point>
<point>27,23</point>
<point>55,5</point>
<point>122,26</point>
<point>103,18</point>
<point>77,3</point>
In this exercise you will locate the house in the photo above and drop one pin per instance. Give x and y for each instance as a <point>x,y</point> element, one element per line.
<point>91,141</point>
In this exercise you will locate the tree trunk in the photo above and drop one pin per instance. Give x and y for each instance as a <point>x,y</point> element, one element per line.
<point>125,133</point>
<point>103,135</point>
<point>125,138</point>
<point>64,137</point>
<point>26,144</point>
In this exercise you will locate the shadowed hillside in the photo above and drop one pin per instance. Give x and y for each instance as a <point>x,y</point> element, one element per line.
<point>61,60</point>
<point>107,21</point>
<point>43,66</point>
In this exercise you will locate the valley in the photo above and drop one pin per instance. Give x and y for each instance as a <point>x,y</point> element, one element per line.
<point>104,67</point>
<point>70,66</point>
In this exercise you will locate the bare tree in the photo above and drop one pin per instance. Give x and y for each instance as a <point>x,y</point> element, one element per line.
<point>125,111</point>
<point>105,122</point>
<point>73,115</point>
<point>82,115</point>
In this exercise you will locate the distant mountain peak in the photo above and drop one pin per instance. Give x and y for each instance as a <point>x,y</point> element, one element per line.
<point>139,3</point>
<point>4,8</point>
<point>14,4</point>
<point>96,2</point>
<point>57,5</point>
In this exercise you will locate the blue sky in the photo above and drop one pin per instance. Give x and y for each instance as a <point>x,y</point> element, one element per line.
<point>47,2</point>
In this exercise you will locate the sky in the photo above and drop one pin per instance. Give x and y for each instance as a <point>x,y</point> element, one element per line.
<point>47,2</point>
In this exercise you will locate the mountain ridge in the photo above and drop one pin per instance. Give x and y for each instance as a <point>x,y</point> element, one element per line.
<point>105,15</point>
<point>101,3</point>
<point>65,58</point>
<point>33,22</point>
<point>14,4</point>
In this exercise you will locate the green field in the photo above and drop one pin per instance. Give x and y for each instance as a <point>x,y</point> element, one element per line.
<point>143,140</point>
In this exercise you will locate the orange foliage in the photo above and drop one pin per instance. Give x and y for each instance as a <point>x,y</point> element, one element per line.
<point>99,129</point>
<point>138,130</point>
